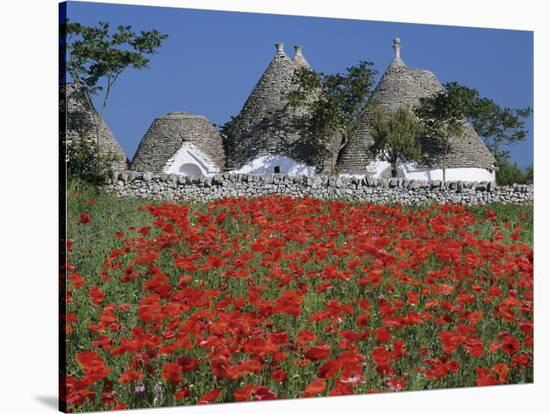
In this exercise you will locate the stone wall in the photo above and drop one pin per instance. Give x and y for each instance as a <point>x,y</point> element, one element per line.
<point>179,187</point>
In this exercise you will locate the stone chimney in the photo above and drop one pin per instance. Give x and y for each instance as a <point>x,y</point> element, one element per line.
<point>298,55</point>
<point>397,47</point>
<point>280,49</point>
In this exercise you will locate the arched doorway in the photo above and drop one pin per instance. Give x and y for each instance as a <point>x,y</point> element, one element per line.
<point>190,169</point>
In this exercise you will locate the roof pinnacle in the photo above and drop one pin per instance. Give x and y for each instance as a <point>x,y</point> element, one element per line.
<point>280,48</point>
<point>397,47</point>
<point>299,56</point>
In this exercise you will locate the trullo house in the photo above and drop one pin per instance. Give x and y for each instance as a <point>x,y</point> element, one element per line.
<point>468,159</point>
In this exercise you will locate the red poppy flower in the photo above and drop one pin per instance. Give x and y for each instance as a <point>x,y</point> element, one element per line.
<point>125,307</point>
<point>130,376</point>
<point>96,295</point>
<point>84,218</point>
<point>93,366</point>
<point>381,356</point>
<point>318,352</point>
<point>484,378</point>
<point>316,387</point>
<point>520,360</point>
<point>209,396</point>
<point>382,334</point>
<point>304,337</point>
<point>330,368</point>
<point>264,394</point>
<point>279,375</point>
<point>187,364</point>
<point>451,341</point>
<point>510,344</point>
<point>171,372</point>
<point>77,280</point>
<point>501,370</point>
<point>244,394</point>
<point>474,346</point>
<point>181,394</point>
<point>246,367</point>
<point>119,406</point>
<point>398,349</point>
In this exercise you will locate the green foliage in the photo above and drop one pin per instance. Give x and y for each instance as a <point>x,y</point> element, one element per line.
<point>94,53</point>
<point>497,126</point>
<point>529,174</point>
<point>395,136</point>
<point>332,102</point>
<point>443,113</point>
<point>83,162</point>
<point>96,58</point>
<point>442,119</point>
<point>509,172</point>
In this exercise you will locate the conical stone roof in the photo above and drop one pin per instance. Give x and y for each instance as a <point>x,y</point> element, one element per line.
<point>403,86</point>
<point>168,133</point>
<point>265,125</point>
<point>78,120</point>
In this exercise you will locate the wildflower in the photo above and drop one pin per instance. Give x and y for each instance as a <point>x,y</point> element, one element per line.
<point>139,387</point>
<point>84,218</point>
<point>158,393</point>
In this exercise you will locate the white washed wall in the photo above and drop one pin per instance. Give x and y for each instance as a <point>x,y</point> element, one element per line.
<point>267,164</point>
<point>409,171</point>
<point>190,160</point>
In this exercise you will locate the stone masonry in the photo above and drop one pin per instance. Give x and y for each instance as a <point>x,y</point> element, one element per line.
<point>166,135</point>
<point>401,86</point>
<point>78,120</point>
<point>266,125</point>
<point>185,188</point>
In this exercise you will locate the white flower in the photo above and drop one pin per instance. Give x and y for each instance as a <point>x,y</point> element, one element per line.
<point>353,380</point>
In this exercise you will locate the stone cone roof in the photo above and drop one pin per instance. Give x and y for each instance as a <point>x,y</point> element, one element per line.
<point>168,133</point>
<point>78,120</point>
<point>403,86</point>
<point>265,125</point>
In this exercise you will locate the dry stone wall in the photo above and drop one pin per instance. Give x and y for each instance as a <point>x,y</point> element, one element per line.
<point>179,187</point>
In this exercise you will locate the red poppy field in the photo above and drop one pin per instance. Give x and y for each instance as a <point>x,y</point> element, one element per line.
<point>273,297</point>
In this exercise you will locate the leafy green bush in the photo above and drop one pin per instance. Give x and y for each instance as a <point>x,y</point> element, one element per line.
<point>84,163</point>
<point>509,172</point>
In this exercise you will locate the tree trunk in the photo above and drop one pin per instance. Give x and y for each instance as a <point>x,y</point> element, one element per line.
<point>394,159</point>
<point>445,164</point>
<point>100,121</point>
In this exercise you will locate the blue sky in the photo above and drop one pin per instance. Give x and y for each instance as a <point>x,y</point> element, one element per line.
<point>211,60</point>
